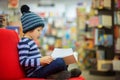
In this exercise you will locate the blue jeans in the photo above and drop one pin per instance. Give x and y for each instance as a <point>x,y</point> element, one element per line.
<point>55,66</point>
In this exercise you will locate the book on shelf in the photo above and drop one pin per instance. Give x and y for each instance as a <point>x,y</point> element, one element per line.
<point>115,17</point>
<point>118,17</point>
<point>117,45</point>
<point>117,41</point>
<point>100,54</point>
<point>116,31</point>
<point>96,36</point>
<point>117,4</point>
<point>94,21</point>
<point>95,3</point>
<point>107,3</point>
<point>105,20</point>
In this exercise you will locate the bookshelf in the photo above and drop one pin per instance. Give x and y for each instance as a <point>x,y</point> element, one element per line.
<point>103,37</point>
<point>117,38</point>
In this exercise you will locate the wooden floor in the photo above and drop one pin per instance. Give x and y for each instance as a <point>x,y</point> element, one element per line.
<point>94,77</point>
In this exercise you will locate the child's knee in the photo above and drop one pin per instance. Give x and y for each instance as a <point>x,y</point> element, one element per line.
<point>60,62</point>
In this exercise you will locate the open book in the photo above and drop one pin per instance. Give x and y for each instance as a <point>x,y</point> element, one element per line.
<point>66,54</point>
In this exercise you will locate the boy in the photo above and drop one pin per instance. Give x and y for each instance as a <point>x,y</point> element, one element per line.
<point>30,57</point>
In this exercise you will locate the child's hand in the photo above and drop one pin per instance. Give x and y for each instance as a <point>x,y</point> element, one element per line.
<point>45,60</point>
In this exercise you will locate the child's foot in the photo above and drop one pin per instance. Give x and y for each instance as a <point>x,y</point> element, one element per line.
<point>75,72</point>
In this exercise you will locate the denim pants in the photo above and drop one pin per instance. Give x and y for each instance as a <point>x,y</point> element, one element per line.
<point>55,66</point>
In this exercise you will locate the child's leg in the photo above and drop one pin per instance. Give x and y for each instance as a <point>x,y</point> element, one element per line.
<point>54,67</point>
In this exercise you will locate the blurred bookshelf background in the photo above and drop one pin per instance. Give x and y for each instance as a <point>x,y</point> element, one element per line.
<point>90,27</point>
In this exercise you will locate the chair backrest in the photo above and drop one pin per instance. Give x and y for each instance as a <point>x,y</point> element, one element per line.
<point>9,62</point>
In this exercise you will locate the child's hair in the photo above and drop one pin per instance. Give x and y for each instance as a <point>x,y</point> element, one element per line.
<point>75,72</point>
<point>30,20</point>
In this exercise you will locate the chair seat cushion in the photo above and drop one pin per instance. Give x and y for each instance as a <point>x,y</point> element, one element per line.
<point>77,78</point>
<point>32,79</point>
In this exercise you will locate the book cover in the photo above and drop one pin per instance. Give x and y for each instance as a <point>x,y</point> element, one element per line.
<point>107,21</point>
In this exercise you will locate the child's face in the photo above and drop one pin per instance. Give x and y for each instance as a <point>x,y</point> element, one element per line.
<point>36,32</point>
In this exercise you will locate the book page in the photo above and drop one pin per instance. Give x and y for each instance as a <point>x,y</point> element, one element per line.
<point>60,52</point>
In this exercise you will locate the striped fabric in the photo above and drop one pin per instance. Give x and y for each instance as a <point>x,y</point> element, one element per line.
<point>29,55</point>
<point>30,21</point>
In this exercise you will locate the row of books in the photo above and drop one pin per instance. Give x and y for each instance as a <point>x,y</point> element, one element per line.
<point>105,4</point>
<point>101,20</point>
<point>101,4</point>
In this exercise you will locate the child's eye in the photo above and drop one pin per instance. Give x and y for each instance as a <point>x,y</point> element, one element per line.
<point>38,30</point>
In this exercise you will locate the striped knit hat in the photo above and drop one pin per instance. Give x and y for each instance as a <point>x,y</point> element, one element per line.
<point>30,20</point>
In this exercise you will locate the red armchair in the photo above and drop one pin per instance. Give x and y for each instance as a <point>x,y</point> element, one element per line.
<point>9,63</point>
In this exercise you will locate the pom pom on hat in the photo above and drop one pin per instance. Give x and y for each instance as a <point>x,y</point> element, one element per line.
<point>25,9</point>
<point>30,20</point>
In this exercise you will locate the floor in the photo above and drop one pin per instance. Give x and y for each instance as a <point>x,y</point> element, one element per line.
<point>88,76</point>
<point>93,77</point>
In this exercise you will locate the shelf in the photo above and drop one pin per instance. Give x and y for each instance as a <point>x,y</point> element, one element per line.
<point>117,25</point>
<point>89,49</point>
<point>105,28</point>
<point>101,46</point>
<point>117,54</point>
<point>102,73</point>
<point>117,76</point>
<point>103,9</point>
<point>117,9</point>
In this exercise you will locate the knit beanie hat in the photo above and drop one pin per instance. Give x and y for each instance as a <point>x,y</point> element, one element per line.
<point>30,20</point>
